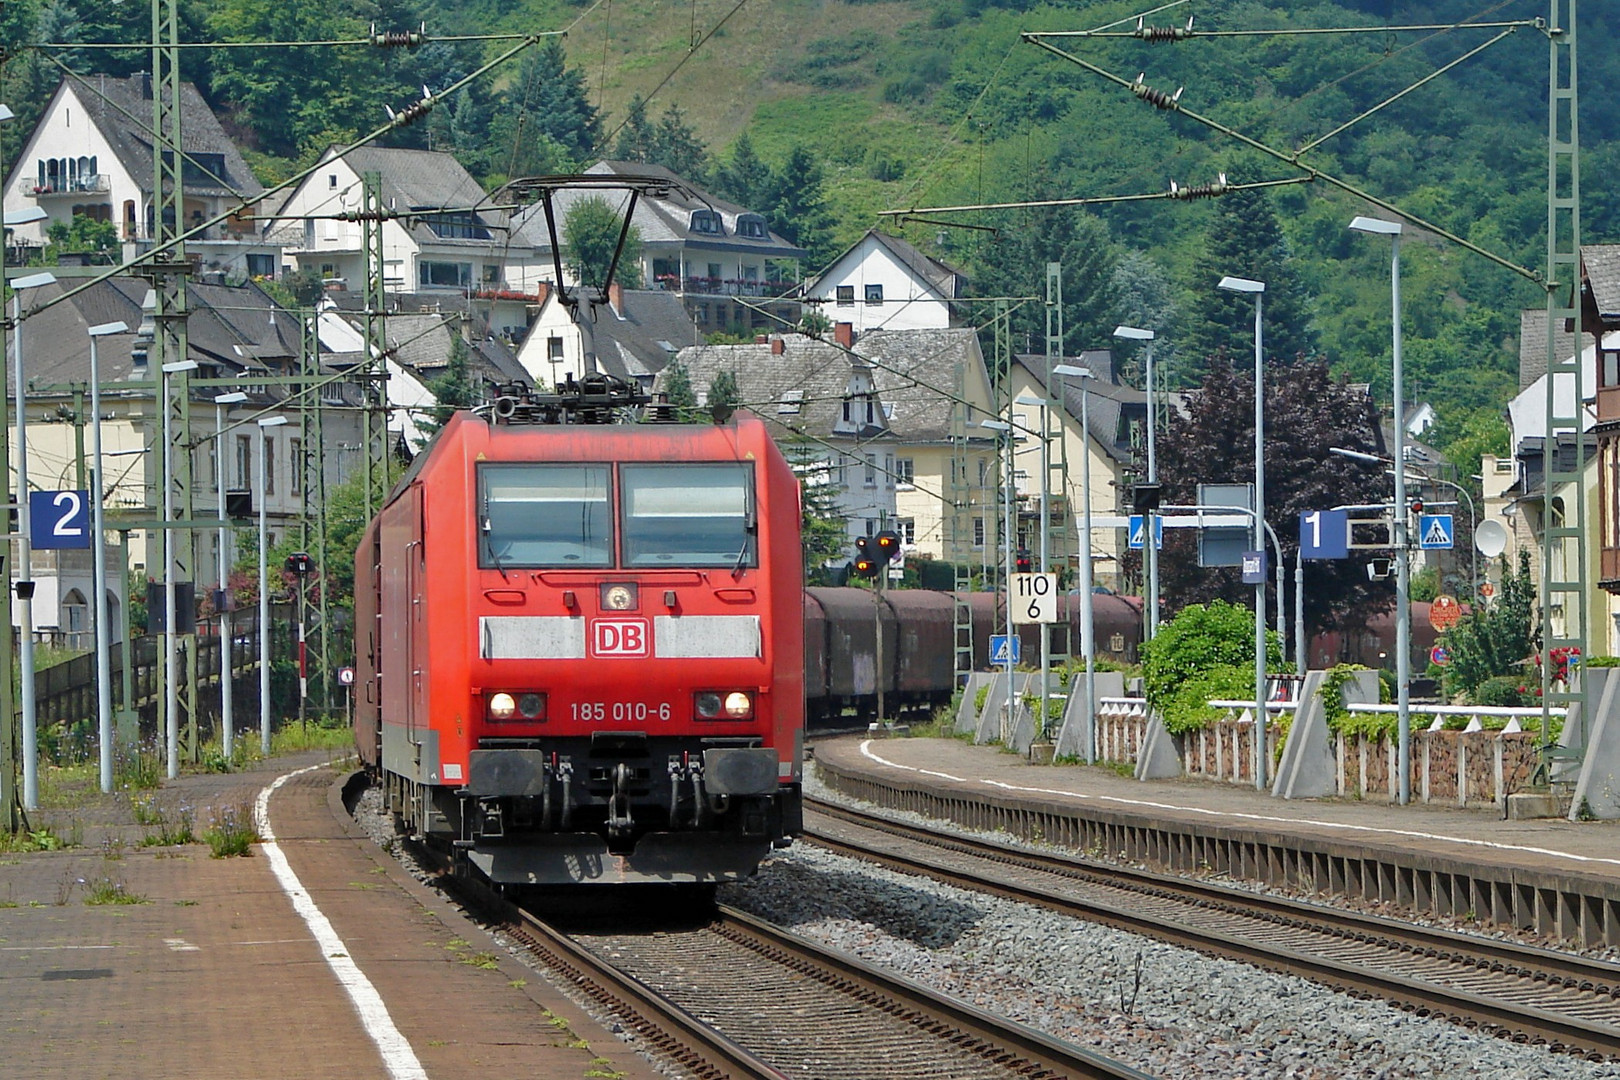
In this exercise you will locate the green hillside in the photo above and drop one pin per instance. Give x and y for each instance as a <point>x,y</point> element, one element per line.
<point>915,103</point>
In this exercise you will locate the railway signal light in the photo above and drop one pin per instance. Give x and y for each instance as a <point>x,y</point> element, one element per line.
<point>300,563</point>
<point>1023,562</point>
<point>1417,507</point>
<point>867,562</point>
<point>887,543</point>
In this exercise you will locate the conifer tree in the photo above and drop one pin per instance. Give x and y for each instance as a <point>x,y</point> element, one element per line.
<point>1245,240</point>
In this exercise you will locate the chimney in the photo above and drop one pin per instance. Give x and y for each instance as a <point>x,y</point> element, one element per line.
<point>615,293</point>
<point>844,334</point>
<point>542,289</point>
<point>777,346</point>
<point>760,339</point>
<point>146,85</point>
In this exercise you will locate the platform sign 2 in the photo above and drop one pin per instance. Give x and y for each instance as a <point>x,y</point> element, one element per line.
<point>58,519</point>
<point>1324,534</point>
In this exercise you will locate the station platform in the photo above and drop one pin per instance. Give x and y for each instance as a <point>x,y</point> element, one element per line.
<point>1550,876</point>
<point>221,969</point>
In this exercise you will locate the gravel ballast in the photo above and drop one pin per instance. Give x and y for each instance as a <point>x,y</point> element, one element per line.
<point>1163,1009</point>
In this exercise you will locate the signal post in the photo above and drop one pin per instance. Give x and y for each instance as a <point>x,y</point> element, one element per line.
<point>873,554</point>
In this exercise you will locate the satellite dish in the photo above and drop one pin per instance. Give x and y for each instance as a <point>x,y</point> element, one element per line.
<point>1490,538</point>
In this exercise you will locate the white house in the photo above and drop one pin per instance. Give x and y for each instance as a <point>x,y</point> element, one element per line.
<point>722,259</point>
<point>882,282</point>
<point>636,334</point>
<point>445,242</point>
<point>91,155</point>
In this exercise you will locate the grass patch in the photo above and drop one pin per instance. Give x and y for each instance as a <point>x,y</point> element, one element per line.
<point>231,833</point>
<point>42,839</point>
<point>165,826</point>
<point>103,891</point>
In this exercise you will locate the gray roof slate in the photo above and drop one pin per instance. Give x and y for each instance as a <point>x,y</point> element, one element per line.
<point>1533,345</point>
<point>1600,273</point>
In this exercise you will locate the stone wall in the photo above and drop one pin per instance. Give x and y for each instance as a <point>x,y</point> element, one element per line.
<point>1460,768</point>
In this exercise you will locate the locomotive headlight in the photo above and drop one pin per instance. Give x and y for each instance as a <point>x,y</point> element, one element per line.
<point>706,705</point>
<point>621,597</point>
<point>739,706</point>
<point>502,707</point>
<point>723,705</point>
<point>532,706</point>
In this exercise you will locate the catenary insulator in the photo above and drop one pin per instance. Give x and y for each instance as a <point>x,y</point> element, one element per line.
<point>1157,98</point>
<point>396,39</point>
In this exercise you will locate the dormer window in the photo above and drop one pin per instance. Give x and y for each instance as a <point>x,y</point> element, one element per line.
<point>707,222</point>
<point>751,226</point>
<point>792,401</point>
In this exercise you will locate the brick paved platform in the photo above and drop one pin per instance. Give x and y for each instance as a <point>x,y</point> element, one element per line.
<point>213,975</point>
<point>1557,877</point>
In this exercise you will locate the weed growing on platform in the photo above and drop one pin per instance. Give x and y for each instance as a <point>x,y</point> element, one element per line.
<point>138,769</point>
<point>26,841</point>
<point>231,833</point>
<point>166,828</point>
<point>484,960</point>
<point>104,890</point>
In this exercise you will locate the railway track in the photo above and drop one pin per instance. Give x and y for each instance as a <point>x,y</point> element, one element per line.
<point>727,995</point>
<point>1527,994</point>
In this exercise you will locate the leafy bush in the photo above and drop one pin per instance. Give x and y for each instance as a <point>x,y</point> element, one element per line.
<point>1200,638</point>
<point>1508,691</point>
<point>1495,640</point>
<point>1188,709</point>
<point>1340,718</point>
<point>1602,661</point>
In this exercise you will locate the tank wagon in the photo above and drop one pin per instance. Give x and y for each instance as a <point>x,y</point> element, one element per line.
<point>580,647</point>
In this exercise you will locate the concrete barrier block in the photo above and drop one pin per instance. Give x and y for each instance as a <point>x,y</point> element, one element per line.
<point>1160,758</point>
<point>967,711</point>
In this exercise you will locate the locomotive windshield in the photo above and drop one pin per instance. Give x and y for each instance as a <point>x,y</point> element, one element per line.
<point>687,515</point>
<point>545,515</point>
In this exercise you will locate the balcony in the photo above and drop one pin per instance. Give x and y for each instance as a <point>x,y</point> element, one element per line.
<point>708,286</point>
<point>79,185</point>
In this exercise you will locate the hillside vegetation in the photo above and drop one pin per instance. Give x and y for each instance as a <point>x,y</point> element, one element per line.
<point>915,103</point>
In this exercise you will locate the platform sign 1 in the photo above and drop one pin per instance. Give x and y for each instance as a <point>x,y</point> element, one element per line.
<point>998,649</point>
<point>1434,531</point>
<point>59,519</point>
<point>1324,534</point>
<point>1134,535</point>
<point>1034,598</point>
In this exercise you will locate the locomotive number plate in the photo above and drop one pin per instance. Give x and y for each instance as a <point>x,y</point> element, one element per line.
<point>637,712</point>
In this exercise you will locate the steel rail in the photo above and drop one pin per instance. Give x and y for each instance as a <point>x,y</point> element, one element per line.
<point>1042,1051</point>
<point>1542,968</point>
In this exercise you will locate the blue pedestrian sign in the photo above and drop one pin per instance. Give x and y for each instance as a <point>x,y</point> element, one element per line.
<point>58,519</point>
<point>998,649</point>
<point>1324,534</point>
<point>1137,529</point>
<point>1434,531</point>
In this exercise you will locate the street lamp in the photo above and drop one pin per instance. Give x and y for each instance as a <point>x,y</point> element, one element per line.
<point>1087,633</point>
<point>1403,567</point>
<point>1149,532</point>
<point>171,621</point>
<point>8,737</point>
<point>227,638</point>
<point>98,525</point>
<point>1258,290</point>
<point>265,424</point>
<point>25,556</point>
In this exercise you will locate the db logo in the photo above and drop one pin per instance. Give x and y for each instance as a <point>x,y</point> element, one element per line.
<point>619,637</point>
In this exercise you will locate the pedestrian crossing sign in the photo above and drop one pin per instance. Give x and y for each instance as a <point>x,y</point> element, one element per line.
<point>1434,531</point>
<point>1139,527</point>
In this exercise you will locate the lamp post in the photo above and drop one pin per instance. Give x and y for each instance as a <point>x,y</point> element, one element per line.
<point>227,637</point>
<point>25,556</point>
<point>1258,289</point>
<point>265,424</point>
<point>9,819</point>
<point>1005,433</point>
<point>104,718</point>
<point>1149,531</point>
<point>1088,645</point>
<point>1398,537</point>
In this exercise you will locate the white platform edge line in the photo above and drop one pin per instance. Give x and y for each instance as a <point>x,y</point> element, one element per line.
<point>1268,819</point>
<point>397,1055</point>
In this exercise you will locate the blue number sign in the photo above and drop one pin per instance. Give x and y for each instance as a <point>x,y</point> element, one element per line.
<point>59,519</point>
<point>1324,534</point>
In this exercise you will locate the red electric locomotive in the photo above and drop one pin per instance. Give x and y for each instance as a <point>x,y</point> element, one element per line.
<point>580,647</point>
